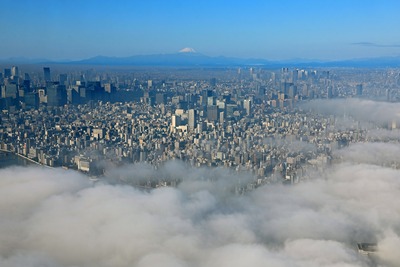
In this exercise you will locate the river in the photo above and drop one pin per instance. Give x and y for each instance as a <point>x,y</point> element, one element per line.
<point>8,159</point>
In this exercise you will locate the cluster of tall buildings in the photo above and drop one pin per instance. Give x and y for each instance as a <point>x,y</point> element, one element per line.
<point>281,88</point>
<point>23,92</point>
<point>243,121</point>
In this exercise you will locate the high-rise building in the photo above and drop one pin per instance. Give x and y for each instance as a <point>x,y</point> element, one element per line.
<point>359,90</point>
<point>329,92</point>
<point>26,86</point>
<point>160,98</point>
<point>260,90</point>
<point>14,71</point>
<point>32,99</point>
<point>211,101</point>
<point>192,119</point>
<point>205,94</point>
<point>230,109</point>
<point>63,79</point>
<point>285,87</point>
<point>292,92</point>
<point>47,76</point>
<point>175,122</point>
<point>73,96</point>
<point>42,96</point>
<point>295,75</point>
<point>247,106</point>
<point>221,117</point>
<point>212,113</point>
<point>109,88</point>
<point>56,95</point>
<point>9,91</point>
<point>7,73</point>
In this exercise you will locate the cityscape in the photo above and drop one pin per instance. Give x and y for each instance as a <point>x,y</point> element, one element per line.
<point>249,119</point>
<point>200,133</point>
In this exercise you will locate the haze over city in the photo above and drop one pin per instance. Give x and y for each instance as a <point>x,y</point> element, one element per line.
<point>276,30</point>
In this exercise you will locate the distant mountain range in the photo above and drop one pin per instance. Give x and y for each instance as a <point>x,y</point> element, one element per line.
<point>187,57</point>
<point>175,59</point>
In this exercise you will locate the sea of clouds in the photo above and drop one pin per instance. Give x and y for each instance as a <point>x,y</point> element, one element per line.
<point>60,218</point>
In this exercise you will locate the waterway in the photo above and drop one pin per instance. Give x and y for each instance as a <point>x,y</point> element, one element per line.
<point>8,159</point>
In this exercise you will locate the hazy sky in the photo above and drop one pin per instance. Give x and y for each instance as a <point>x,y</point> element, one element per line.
<point>265,29</point>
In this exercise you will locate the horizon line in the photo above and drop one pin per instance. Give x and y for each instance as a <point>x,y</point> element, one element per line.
<point>38,60</point>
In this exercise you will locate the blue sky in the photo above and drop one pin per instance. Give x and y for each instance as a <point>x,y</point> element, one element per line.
<point>318,29</point>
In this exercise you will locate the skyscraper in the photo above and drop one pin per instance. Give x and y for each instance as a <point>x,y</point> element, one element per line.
<point>9,91</point>
<point>14,71</point>
<point>192,119</point>
<point>247,106</point>
<point>160,98</point>
<point>32,99</point>
<point>56,95</point>
<point>359,90</point>
<point>212,113</point>
<point>47,76</point>
<point>205,94</point>
<point>63,79</point>
<point>329,92</point>
<point>7,73</point>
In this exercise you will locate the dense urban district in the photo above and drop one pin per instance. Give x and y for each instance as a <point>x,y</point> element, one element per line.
<point>246,119</point>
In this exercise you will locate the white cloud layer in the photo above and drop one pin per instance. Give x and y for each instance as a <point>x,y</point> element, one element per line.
<point>59,218</point>
<point>366,111</point>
